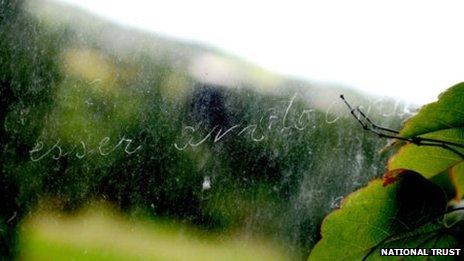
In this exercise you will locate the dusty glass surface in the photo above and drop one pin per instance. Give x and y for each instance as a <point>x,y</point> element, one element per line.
<point>125,138</point>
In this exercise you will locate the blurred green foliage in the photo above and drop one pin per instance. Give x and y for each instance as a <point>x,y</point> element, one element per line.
<point>101,234</point>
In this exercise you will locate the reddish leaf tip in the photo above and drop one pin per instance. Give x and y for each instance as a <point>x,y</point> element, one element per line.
<point>392,176</point>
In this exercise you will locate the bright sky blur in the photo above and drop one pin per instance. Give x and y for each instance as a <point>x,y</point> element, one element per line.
<point>411,50</point>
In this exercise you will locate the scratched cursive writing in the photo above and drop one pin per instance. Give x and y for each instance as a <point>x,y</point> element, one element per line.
<point>273,120</point>
<point>104,148</point>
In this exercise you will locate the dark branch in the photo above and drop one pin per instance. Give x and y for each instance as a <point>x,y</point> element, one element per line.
<point>454,209</point>
<point>388,133</point>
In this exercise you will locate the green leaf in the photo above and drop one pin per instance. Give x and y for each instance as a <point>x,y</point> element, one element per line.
<point>442,120</point>
<point>447,112</point>
<point>427,160</point>
<point>400,215</point>
<point>452,182</point>
<point>457,177</point>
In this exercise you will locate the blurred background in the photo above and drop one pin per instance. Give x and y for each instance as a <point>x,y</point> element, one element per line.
<point>174,131</point>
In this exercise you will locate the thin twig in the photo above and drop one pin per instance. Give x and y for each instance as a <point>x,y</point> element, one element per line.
<point>454,209</point>
<point>383,132</point>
